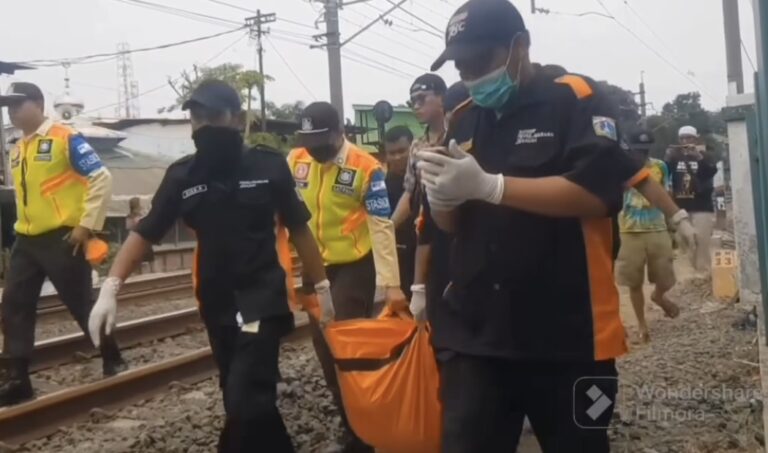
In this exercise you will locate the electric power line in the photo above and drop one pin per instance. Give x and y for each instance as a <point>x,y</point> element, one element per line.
<point>165,84</point>
<point>409,45</point>
<point>654,51</point>
<point>368,64</point>
<point>112,55</point>
<point>253,11</point>
<point>414,29</point>
<point>179,12</point>
<point>290,68</point>
<point>749,58</point>
<point>642,21</point>
<point>415,16</point>
<point>379,52</point>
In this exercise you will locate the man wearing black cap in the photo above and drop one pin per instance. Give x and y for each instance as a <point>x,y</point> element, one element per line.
<point>530,323</point>
<point>230,196</point>
<point>426,100</point>
<point>62,192</point>
<point>345,190</point>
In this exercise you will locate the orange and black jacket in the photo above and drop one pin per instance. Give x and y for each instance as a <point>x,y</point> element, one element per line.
<point>527,286</point>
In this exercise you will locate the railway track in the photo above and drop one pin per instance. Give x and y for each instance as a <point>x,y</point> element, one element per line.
<point>45,415</point>
<point>141,288</point>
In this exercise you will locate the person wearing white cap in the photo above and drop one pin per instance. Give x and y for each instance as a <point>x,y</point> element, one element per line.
<point>692,170</point>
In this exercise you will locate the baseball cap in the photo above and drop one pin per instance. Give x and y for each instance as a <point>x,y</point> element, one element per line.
<point>479,24</point>
<point>641,139</point>
<point>688,130</point>
<point>317,122</point>
<point>19,92</point>
<point>214,94</point>
<point>456,94</point>
<point>429,82</point>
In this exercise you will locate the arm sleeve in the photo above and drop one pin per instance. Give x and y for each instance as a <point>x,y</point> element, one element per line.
<point>166,206</point>
<point>290,205</point>
<point>594,158</point>
<point>409,183</point>
<point>707,168</point>
<point>382,230</point>
<point>425,224</point>
<point>86,163</point>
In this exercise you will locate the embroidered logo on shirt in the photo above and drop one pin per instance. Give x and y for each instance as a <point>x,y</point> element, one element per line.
<point>194,191</point>
<point>301,171</point>
<point>532,136</point>
<point>253,183</point>
<point>605,127</point>
<point>346,177</point>
<point>44,146</point>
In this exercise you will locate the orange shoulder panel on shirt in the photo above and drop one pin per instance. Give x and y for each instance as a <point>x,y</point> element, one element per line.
<point>639,177</point>
<point>362,160</point>
<point>578,84</point>
<point>60,131</point>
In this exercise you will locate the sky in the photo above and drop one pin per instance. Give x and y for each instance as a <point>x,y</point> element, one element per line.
<point>677,44</point>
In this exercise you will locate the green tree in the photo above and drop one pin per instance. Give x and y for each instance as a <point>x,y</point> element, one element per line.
<point>686,110</point>
<point>629,110</point>
<point>287,112</point>
<point>244,81</point>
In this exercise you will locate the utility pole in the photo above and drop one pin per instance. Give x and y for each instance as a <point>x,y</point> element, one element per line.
<point>643,104</point>
<point>334,44</point>
<point>733,46</point>
<point>257,31</point>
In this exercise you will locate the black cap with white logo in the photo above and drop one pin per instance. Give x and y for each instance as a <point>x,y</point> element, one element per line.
<point>641,139</point>
<point>479,24</point>
<point>429,82</point>
<point>316,124</point>
<point>19,92</point>
<point>214,94</point>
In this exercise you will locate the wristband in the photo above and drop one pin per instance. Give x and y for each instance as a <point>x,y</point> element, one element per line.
<point>679,217</point>
<point>113,283</point>
<point>498,189</point>
<point>323,285</point>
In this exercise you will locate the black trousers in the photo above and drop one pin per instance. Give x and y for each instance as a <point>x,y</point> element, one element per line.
<point>32,259</point>
<point>485,401</point>
<point>406,257</point>
<point>248,372</point>
<point>353,287</point>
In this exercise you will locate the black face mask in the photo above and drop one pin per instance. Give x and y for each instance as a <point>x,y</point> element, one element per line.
<point>323,153</point>
<point>218,149</point>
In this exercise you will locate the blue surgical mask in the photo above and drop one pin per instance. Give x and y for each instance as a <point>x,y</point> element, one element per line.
<point>494,89</point>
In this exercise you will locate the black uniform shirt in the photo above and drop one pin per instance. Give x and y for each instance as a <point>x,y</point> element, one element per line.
<point>237,267</point>
<point>528,286</point>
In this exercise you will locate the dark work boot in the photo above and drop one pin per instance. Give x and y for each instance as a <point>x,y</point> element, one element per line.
<point>16,386</point>
<point>113,362</point>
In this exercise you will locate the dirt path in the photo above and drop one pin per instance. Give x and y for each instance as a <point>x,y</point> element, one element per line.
<point>696,387</point>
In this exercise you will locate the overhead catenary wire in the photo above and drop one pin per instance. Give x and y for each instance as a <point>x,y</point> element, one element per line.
<point>746,53</point>
<point>253,11</point>
<point>410,45</point>
<point>395,24</point>
<point>655,52</point>
<point>290,68</point>
<point>112,55</point>
<point>180,12</point>
<point>165,83</point>
<point>415,16</point>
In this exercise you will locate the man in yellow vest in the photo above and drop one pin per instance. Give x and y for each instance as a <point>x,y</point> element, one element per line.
<point>344,188</point>
<point>62,191</point>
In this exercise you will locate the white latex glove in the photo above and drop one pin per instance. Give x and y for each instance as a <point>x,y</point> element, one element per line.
<point>456,178</point>
<point>682,223</point>
<point>104,311</point>
<point>418,302</point>
<point>327,312</point>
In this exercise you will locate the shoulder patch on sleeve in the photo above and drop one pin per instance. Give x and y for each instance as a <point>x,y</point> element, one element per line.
<point>578,84</point>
